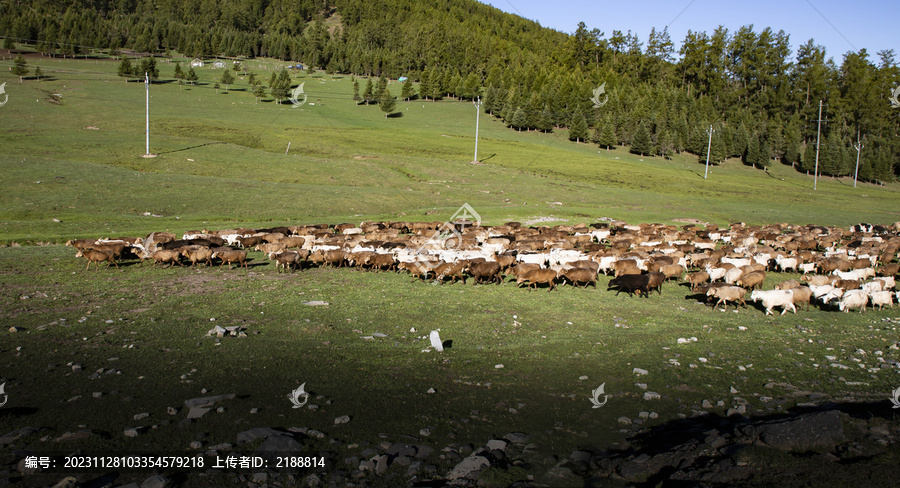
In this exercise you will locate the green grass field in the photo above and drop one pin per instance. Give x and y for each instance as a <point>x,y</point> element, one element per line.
<point>221,163</point>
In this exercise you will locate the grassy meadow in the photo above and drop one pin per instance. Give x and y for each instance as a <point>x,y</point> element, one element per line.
<point>75,169</point>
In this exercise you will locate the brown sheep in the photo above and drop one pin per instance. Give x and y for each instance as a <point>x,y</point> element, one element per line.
<point>286,259</point>
<point>752,280</point>
<point>846,284</point>
<point>417,269</point>
<point>697,278</point>
<point>336,258</point>
<point>787,285</point>
<point>537,276</point>
<point>506,261</point>
<point>165,256</point>
<point>269,247</point>
<point>293,241</point>
<point>889,270</point>
<point>194,254</point>
<point>520,269</point>
<point>727,294</point>
<point>672,270</point>
<point>655,281</point>
<point>489,270</point>
<point>248,241</point>
<point>231,256</point>
<point>452,270</point>
<point>379,261</point>
<point>817,280</point>
<point>81,243</point>
<point>580,275</point>
<point>95,256</point>
<point>802,294</point>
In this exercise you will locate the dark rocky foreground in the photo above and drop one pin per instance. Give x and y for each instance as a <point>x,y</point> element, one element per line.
<point>832,445</point>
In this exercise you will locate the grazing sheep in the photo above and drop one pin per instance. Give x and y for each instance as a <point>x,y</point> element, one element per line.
<point>853,299</point>
<point>539,276</point>
<point>194,254</point>
<point>834,294</point>
<point>87,243</point>
<point>520,269</point>
<point>697,278</point>
<point>580,275</point>
<point>732,275</point>
<point>489,270</point>
<point>752,280</point>
<point>165,256</point>
<point>727,294</point>
<point>231,256</point>
<point>716,274</point>
<point>655,281</point>
<point>416,269</point>
<point>786,263</point>
<point>818,280</point>
<point>378,261</point>
<point>882,298</point>
<point>775,298</point>
<point>886,270</point>
<point>95,256</point>
<point>802,294</point>
<point>454,270</point>
<point>787,285</point>
<point>888,281</point>
<point>286,260</point>
<point>631,283</point>
<point>672,271</point>
<point>846,284</point>
<point>872,286</point>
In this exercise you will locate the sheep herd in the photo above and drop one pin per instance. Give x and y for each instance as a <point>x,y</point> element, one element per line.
<point>850,268</point>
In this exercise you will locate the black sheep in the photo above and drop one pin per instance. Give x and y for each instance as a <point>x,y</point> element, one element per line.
<point>631,283</point>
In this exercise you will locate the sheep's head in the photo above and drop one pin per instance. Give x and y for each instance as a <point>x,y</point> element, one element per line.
<point>79,254</point>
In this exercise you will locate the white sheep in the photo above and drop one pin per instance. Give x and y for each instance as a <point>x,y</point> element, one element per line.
<point>854,299</point>
<point>786,263</point>
<point>715,274</point>
<point>733,275</point>
<point>775,298</point>
<point>882,298</point>
<point>820,291</point>
<point>872,286</point>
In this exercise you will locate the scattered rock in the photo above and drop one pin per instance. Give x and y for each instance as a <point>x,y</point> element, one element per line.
<point>17,434</point>
<point>197,412</point>
<point>343,419</point>
<point>469,467</point>
<point>207,401</point>
<point>315,303</point>
<point>131,432</point>
<point>651,395</point>
<point>639,371</point>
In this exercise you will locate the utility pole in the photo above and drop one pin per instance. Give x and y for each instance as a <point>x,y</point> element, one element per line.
<point>147,87</point>
<point>477,116</point>
<point>708,149</point>
<point>858,147</point>
<point>818,134</point>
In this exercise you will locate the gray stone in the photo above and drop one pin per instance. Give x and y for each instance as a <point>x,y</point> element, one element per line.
<point>67,482</point>
<point>155,481</point>
<point>196,444</point>
<point>468,467</point>
<point>257,433</point>
<point>279,443</point>
<point>313,481</point>
<point>639,371</point>
<point>197,412</point>
<point>207,401</point>
<point>260,478</point>
<point>811,430</point>
<point>423,451</point>
<point>496,444</point>
<point>651,395</point>
<point>17,434</point>
<point>381,464</point>
<point>131,432</point>
<point>402,461</point>
<point>401,450</point>
<point>74,436</point>
<point>343,419</point>
<point>315,303</point>
<point>141,416</point>
<point>517,438</point>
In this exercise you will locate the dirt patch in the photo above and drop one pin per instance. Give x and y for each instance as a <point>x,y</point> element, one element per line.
<point>690,221</point>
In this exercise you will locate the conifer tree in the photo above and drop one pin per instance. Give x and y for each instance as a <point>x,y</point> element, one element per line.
<point>425,85</point>
<point>809,158</point>
<point>227,79</point>
<point>545,122</point>
<point>407,91</point>
<point>386,101</point>
<point>356,97</point>
<point>179,74</point>
<point>369,93</point>
<point>192,75</point>
<point>640,141</point>
<point>125,69</point>
<point>38,73</point>
<point>607,137</point>
<point>519,119</point>
<point>751,157</point>
<point>578,129</point>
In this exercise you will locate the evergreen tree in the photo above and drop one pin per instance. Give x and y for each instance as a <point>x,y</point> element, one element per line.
<point>607,136</point>
<point>765,154</point>
<point>545,122</point>
<point>386,101</point>
<point>192,76</point>
<point>282,87</point>
<point>38,73</point>
<point>179,74</point>
<point>369,93</point>
<point>356,97</point>
<point>519,119</point>
<point>751,157</point>
<point>425,85</point>
<point>227,79</point>
<point>809,158</point>
<point>719,150</point>
<point>259,91</point>
<point>381,86</point>
<point>148,66</point>
<point>664,145</point>
<point>640,141</point>
<point>408,91</point>
<point>8,44</point>
<point>578,129</point>
<point>125,69</point>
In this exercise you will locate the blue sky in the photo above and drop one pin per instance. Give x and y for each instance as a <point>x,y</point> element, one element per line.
<point>840,26</point>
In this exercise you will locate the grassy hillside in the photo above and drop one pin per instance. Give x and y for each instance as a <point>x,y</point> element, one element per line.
<point>221,160</point>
